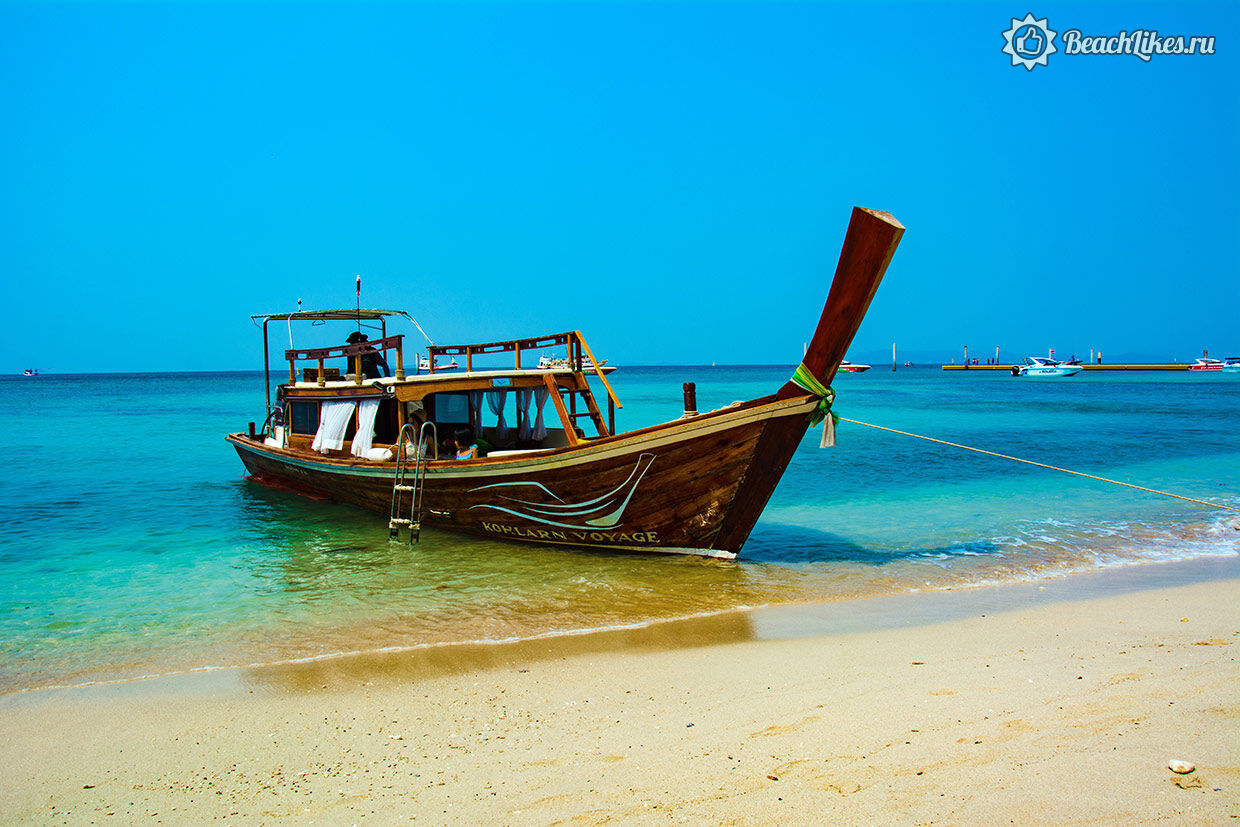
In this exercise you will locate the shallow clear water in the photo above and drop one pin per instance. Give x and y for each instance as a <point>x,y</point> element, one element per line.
<point>131,544</point>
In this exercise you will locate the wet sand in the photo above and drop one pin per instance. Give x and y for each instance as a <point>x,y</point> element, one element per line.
<point>1052,703</point>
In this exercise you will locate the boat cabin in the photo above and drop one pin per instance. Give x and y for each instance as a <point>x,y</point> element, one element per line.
<point>337,402</point>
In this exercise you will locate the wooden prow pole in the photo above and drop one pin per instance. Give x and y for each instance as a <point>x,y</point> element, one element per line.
<point>868,247</point>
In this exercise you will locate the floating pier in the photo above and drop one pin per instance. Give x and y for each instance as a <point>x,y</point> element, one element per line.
<point>1008,368</point>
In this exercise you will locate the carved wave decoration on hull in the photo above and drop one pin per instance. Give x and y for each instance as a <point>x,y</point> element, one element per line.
<point>603,511</point>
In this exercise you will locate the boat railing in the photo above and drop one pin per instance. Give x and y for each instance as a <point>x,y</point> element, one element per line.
<point>578,354</point>
<point>274,421</point>
<point>352,352</point>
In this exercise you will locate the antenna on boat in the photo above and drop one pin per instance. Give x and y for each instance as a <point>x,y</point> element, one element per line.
<point>359,302</point>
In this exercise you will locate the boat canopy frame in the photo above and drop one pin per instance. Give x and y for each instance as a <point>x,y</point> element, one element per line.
<point>357,314</point>
<point>578,351</point>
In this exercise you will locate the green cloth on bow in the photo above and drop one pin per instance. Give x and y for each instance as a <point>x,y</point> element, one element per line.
<point>802,378</point>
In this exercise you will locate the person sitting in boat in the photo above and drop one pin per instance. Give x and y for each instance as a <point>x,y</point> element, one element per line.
<point>463,444</point>
<point>426,447</point>
<point>372,360</point>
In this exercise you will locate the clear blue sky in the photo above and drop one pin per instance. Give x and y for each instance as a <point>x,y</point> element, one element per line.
<point>672,178</point>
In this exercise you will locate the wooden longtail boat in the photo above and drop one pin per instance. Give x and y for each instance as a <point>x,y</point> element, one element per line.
<point>695,485</point>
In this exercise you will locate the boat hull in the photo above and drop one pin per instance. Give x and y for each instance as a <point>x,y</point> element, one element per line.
<point>691,486</point>
<point>1047,373</point>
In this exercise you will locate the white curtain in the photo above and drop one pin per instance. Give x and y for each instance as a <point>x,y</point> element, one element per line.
<point>333,420</point>
<point>541,395</point>
<point>524,395</point>
<point>495,401</point>
<point>365,436</point>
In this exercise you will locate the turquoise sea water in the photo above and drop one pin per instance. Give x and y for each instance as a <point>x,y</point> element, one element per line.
<point>131,544</point>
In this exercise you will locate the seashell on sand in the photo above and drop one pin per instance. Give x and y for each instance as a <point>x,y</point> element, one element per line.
<point>1182,767</point>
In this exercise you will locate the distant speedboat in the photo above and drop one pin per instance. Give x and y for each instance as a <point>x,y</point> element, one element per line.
<point>29,372</point>
<point>425,364</point>
<point>1231,364</point>
<point>1206,363</point>
<point>849,367</point>
<point>1044,367</point>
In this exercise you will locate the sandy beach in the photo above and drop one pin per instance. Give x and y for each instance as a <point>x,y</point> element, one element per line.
<point>1003,710</point>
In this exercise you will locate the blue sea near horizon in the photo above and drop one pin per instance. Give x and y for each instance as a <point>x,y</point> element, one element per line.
<point>132,545</point>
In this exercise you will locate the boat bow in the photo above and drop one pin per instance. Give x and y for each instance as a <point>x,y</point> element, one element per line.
<point>869,244</point>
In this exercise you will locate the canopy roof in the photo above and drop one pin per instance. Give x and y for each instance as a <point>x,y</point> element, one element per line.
<point>351,314</point>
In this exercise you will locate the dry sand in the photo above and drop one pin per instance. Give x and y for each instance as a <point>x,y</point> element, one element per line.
<point>1060,713</point>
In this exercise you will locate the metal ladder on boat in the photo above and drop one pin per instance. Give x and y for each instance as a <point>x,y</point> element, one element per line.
<point>407,482</point>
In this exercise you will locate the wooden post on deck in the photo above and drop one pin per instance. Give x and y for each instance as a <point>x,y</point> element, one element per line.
<point>322,378</point>
<point>690,390</point>
<point>400,361</point>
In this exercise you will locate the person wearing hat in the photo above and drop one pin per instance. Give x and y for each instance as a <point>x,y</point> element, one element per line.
<point>372,360</point>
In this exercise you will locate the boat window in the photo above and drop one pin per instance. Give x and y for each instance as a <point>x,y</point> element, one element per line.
<point>304,417</point>
<point>448,408</point>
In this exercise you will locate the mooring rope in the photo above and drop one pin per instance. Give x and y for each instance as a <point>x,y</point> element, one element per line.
<point>1042,465</point>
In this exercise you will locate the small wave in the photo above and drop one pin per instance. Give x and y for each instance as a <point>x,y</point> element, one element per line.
<point>389,650</point>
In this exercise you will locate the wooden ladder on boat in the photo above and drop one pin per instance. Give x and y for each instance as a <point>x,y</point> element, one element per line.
<point>407,482</point>
<point>596,416</point>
